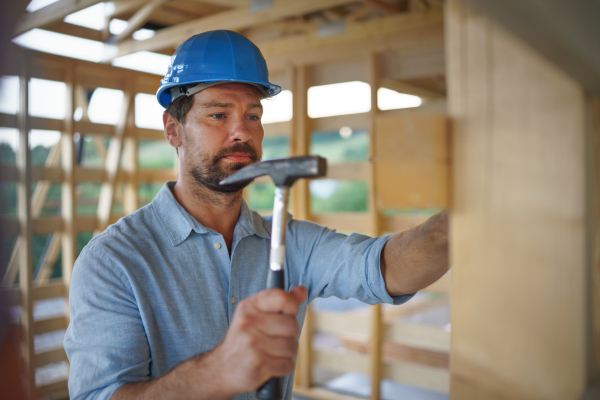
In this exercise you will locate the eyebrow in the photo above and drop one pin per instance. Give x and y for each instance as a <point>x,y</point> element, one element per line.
<point>215,103</point>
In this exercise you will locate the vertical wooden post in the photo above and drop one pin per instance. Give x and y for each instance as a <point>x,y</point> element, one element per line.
<point>130,154</point>
<point>113,162</point>
<point>519,221</point>
<point>373,210</point>
<point>68,196</point>
<point>25,230</point>
<point>300,145</point>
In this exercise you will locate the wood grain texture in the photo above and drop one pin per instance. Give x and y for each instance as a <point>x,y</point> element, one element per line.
<point>518,222</point>
<point>413,163</point>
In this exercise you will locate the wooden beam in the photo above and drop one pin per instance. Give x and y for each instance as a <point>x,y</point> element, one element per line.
<point>113,162</point>
<point>51,13</point>
<point>75,30</point>
<point>139,18</point>
<point>397,31</point>
<point>234,20</point>
<point>407,88</point>
<point>25,230</point>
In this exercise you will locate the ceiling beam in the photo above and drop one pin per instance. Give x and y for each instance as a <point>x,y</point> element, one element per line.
<point>236,19</point>
<point>225,3</point>
<point>407,88</point>
<point>51,13</point>
<point>139,18</point>
<point>397,31</point>
<point>75,30</point>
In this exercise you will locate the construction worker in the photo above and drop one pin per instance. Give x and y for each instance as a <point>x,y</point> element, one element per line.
<point>168,302</point>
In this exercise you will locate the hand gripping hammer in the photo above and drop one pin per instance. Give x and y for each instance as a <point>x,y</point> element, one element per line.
<point>284,173</point>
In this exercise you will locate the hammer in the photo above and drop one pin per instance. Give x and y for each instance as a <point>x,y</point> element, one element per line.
<point>284,173</point>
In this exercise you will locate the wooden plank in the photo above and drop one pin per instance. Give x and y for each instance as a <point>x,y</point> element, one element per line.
<point>349,171</point>
<point>322,394</point>
<point>59,388</point>
<point>25,229</point>
<point>414,154</point>
<point>407,88</point>
<point>139,18</point>
<point>153,134</point>
<point>355,121</point>
<point>419,336</point>
<point>341,323</point>
<point>236,19</point>
<point>419,61</point>
<point>8,120</point>
<point>400,32</point>
<point>68,193</point>
<point>345,361</point>
<point>423,376</point>
<point>49,325</point>
<point>337,71</point>
<point>113,161</point>
<point>518,178</point>
<point>46,124</point>
<point>47,224</point>
<point>278,128</point>
<point>86,127</point>
<point>155,175</point>
<point>50,14</point>
<point>46,175</point>
<point>52,289</point>
<point>393,352</point>
<point>75,30</point>
<point>347,222</point>
<point>50,357</point>
<point>300,201</point>
<point>400,223</point>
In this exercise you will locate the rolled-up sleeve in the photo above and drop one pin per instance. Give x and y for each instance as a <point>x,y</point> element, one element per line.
<point>106,342</point>
<point>340,265</point>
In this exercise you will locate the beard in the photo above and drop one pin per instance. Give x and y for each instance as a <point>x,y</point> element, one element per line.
<point>210,171</point>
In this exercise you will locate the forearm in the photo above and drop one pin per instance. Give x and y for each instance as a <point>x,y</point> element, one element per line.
<point>414,259</point>
<point>198,378</point>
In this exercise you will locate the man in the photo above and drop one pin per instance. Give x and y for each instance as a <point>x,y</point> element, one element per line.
<point>168,302</point>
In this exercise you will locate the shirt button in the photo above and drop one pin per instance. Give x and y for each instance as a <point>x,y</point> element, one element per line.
<point>217,246</point>
<point>232,300</point>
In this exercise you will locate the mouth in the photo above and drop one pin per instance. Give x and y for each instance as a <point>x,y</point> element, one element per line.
<point>238,157</point>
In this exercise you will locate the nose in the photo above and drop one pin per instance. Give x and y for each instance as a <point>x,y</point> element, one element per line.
<point>240,131</point>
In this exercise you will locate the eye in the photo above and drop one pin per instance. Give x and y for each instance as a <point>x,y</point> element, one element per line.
<point>218,116</point>
<point>254,117</point>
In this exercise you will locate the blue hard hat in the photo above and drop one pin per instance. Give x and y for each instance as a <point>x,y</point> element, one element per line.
<point>215,56</point>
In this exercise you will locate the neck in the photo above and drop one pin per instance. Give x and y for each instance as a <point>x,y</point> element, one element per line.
<point>215,210</point>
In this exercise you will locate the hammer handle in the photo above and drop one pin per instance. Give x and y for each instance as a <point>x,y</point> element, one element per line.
<point>273,388</point>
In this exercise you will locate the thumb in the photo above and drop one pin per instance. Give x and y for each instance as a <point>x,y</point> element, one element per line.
<point>299,293</point>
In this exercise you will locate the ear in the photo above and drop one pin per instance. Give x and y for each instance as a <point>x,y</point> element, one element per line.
<point>172,129</point>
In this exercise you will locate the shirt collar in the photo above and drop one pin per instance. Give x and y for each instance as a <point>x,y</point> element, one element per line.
<point>178,223</point>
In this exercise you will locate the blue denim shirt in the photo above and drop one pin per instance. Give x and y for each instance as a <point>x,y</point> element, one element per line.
<point>157,288</point>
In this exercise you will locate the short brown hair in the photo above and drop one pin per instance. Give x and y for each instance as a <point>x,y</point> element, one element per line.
<point>179,108</point>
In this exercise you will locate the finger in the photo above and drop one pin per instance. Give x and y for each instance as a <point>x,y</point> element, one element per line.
<point>276,366</point>
<point>277,324</point>
<point>300,293</point>
<point>278,347</point>
<point>275,301</point>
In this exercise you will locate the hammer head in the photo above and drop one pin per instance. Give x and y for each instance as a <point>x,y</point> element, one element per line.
<point>284,171</point>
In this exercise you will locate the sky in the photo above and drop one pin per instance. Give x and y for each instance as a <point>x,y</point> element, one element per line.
<point>48,97</point>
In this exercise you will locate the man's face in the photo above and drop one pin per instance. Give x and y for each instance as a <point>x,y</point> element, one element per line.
<point>222,134</point>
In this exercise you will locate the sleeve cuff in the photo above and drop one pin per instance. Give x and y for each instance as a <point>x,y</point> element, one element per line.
<point>380,283</point>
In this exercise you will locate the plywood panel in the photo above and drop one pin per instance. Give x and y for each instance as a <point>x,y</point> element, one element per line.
<point>518,224</point>
<point>412,168</point>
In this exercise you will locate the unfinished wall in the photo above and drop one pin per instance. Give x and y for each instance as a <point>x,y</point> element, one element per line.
<point>519,221</point>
